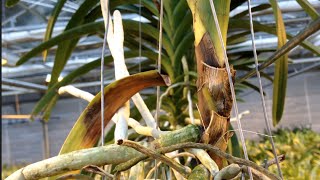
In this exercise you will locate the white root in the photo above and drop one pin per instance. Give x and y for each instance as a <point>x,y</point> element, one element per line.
<point>115,40</point>
<point>205,159</point>
<point>186,79</point>
<point>190,108</point>
<point>137,171</point>
<point>173,154</point>
<point>105,11</point>
<point>143,130</point>
<point>76,92</point>
<point>144,110</point>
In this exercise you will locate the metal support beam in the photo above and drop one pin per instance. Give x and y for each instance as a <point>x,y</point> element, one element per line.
<point>23,84</point>
<point>291,75</point>
<point>12,88</point>
<point>48,5</point>
<point>27,91</point>
<point>18,14</point>
<point>11,93</point>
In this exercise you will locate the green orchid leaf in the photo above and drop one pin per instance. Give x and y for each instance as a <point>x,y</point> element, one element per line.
<point>309,9</point>
<point>51,22</point>
<point>65,48</point>
<point>281,68</point>
<point>73,33</point>
<point>258,27</point>
<point>259,7</point>
<point>252,86</point>
<point>52,92</point>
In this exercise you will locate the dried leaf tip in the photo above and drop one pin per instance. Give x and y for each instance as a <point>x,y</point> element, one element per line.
<point>120,142</point>
<point>166,79</point>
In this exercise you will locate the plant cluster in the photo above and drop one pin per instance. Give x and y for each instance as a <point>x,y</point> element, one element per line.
<point>301,148</point>
<point>214,87</point>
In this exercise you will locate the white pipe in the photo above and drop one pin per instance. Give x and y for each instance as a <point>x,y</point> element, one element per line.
<point>30,69</point>
<point>35,34</point>
<point>11,93</point>
<point>48,5</point>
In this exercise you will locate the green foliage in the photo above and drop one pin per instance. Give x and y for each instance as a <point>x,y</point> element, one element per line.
<point>11,3</point>
<point>259,7</point>
<point>301,148</point>
<point>178,42</point>
<point>309,9</point>
<point>51,21</point>
<point>280,68</point>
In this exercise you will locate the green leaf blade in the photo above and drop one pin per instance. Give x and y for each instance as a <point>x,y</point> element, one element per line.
<point>258,27</point>
<point>67,35</point>
<point>65,49</point>
<point>11,3</point>
<point>51,22</point>
<point>51,93</point>
<point>308,9</point>
<point>312,28</point>
<point>281,69</point>
<point>259,7</point>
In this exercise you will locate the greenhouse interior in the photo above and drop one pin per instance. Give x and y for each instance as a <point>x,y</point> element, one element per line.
<point>192,89</point>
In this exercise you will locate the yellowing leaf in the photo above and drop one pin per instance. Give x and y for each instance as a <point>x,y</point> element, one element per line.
<point>86,131</point>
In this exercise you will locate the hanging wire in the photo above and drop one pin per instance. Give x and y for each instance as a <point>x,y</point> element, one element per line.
<point>159,70</point>
<point>266,119</point>
<point>159,61</point>
<point>140,36</point>
<point>231,85</point>
<point>101,75</point>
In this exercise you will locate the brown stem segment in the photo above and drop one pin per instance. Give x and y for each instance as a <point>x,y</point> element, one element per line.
<point>214,96</point>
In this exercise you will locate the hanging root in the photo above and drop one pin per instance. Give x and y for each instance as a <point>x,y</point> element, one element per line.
<point>205,159</point>
<point>228,157</point>
<point>229,171</point>
<point>143,130</point>
<point>97,170</point>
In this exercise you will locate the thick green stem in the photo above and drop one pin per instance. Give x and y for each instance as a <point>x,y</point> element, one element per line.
<point>228,157</point>
<point>199,173</point>
<point>110,154</point>
<point>186,134</point>
<point>228,172</point>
